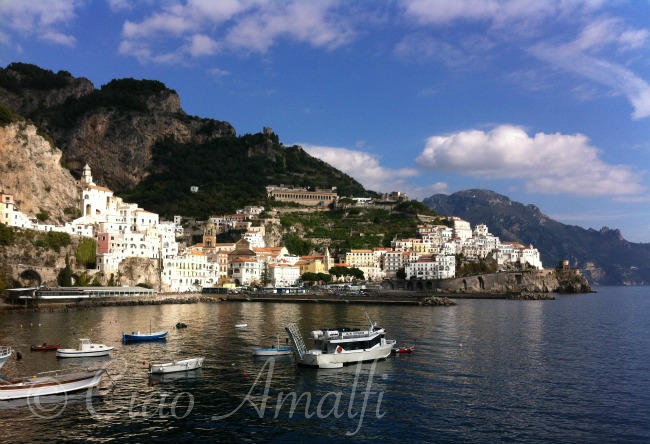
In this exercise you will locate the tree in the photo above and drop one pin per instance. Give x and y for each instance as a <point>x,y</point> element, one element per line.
<point>324,277</point>
<point>64,278</point>
<point>6,235</point>
<point>310,277</point>
<point>86,252</point>
<point>401,273</point>
<point>266,275</point>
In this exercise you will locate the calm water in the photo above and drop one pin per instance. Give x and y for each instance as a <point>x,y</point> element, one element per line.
<point>573,369</point>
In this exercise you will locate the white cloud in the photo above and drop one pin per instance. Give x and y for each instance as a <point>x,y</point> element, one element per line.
<point>535,27</point>
<point>620,79</point>
<point>364,167</point>
<point>521,14</point>
<point>41,19</point>
<point>202,45</point>
<point>546,163</point>
<point>217,72</point>
<point>249,26</point>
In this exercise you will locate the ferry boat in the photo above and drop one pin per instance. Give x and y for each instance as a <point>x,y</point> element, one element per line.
<point>5,352</point>
<point>86,349</point>
<point>336,347</point>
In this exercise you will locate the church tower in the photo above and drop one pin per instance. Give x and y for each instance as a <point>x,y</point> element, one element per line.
<point>209,235</point>
<point>87,177</point>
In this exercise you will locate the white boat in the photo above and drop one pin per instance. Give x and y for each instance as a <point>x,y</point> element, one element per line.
<point>241,325</point>
<point>336,347</point>
<point>176,366</point>
<point>86,349</point>
<point>50,383</point>
<point>272,350</point>
<point>5,352</point>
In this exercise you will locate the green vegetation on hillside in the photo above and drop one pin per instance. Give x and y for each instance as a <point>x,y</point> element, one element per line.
<point>230,172</point>
<point>357,228</point>
<point>7,116</point>
<point>120,95</point>
<point>32,77</point>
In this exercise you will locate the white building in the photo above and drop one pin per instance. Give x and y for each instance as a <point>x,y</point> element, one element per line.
<point>432,267</point>
<point>245,271</point>
<point>284,274</point>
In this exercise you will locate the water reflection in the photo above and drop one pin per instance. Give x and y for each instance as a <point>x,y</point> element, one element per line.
<point>483,371</point>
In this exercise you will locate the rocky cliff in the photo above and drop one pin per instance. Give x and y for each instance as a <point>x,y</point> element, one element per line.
<point>31,170</point>
<point>117,142</point>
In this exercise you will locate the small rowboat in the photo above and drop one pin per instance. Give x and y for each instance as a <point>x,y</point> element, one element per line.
<point>403,350</point>
<point>46,347</point>
<point>273,350</point>
<point>176,366</point>
<point>138,336</point>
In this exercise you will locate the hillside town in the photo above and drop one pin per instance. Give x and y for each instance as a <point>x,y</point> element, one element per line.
<point>123,230</point>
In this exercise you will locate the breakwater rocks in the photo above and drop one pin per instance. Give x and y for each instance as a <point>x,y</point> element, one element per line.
<point>436,301</point>
<point>524,296</point>
<point>136,302</point>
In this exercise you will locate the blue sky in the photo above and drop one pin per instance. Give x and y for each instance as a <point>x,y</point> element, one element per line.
<point>546,102</point>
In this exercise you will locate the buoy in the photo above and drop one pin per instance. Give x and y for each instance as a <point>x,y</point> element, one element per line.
<point>244,373</point>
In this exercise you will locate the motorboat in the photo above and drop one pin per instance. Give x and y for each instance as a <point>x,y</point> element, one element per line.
<point>336,347</point>
<point>139,336</point>
<point>50,383</point>
<point>5,352</point>
<point>273,350</point>
<point>86,349</point>
<point>242,325</point>
<point>176,366</point>
<point>46,347</point>
<point>399,350</point>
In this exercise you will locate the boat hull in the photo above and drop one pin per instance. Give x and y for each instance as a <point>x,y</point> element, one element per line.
<point>5,352</point>
<point>50,385</point>
<point>314,358</point>
<point>74,353</point>
<point>280,351</point>
<point>176,366</point>
<point>46,347</point>
<point>134,337</point>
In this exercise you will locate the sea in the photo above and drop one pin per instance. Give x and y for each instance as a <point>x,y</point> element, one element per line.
<point>573,369</point>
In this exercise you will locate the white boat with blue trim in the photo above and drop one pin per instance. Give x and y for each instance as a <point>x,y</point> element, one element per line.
<point>273,350</point>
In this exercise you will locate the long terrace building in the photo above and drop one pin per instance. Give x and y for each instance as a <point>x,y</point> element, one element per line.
<point>320,197</point>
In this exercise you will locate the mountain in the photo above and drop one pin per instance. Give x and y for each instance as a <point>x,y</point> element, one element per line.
<point>142,145</point>
<point>604,256</point>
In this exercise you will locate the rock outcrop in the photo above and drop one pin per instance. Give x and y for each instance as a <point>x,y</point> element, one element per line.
<point>31,170</point>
